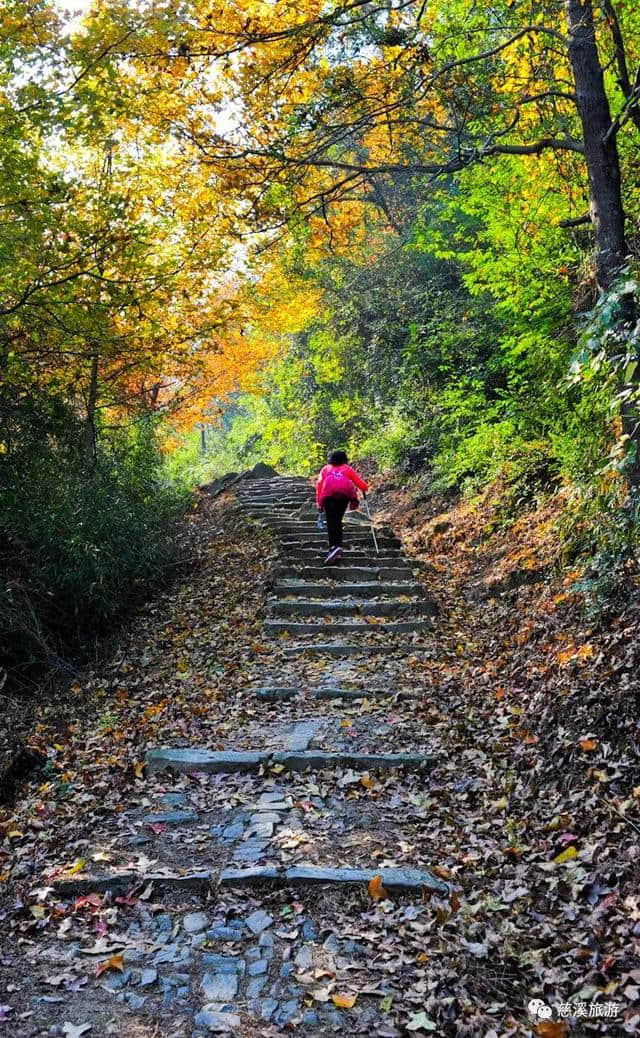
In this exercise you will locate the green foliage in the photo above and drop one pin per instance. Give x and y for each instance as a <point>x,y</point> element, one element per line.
<point>77,547</point>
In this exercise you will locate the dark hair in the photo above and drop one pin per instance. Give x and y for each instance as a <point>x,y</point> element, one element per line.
<point>338,458</point>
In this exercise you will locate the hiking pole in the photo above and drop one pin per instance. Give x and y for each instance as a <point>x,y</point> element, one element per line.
<point>373,532</point>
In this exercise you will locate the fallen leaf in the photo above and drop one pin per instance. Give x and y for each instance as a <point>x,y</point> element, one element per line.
<point>75,1030</point>
<point>420,1022</point>
<point>552,1028</point>
<point>114,963</point>
<point>376,889</point>
<point>587,745</point>
<point>344,1001</point>
<point>567,855</point>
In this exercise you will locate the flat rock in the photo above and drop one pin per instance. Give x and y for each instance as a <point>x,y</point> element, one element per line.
<point>123,881</point>
<point>220,987</point>
<point>360,761</point>
<point>259,921</point>
<point>393,879</point>
<point>170,818</point>
<point>248,877</point>
<point>216,1022</point>
<point>223,963</point>
<point>195,922</point>
<point>185,760</point>
<point>274,694</point>
<point>304,733</point>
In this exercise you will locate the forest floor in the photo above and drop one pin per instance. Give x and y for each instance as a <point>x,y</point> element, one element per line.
<point>531,813</point>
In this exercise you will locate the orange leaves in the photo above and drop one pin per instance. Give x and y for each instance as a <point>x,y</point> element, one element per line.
<point>116,962</point>
<point>552,1028</point>
<point>344,1001</point>
<point>588,745</point>
<point>376,889</point>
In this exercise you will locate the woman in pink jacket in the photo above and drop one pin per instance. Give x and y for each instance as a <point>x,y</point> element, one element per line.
<point>335,489</point>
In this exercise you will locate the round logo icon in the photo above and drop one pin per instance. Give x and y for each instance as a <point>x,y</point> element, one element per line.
<point>539,1009</point>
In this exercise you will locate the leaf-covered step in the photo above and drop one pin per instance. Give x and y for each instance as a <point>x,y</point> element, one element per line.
<point>391,627</point>
<point>322,608</point>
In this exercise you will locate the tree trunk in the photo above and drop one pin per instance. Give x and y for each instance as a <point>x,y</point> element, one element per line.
<point>603,167</point>
<point>601,149</point>
<point>90,423</point>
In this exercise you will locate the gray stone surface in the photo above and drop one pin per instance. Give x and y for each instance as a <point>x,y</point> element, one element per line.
<point>224,933</point>
<point>195,922</point>
<point>304,733</point>
<point>256,986</point>
<point>170,818</point>
<point>257,968</point>
<point>223,963</point>
<point>259,921</point>
<point>210,761</point>
<point>174,799</point>
<point>123,881</point>
<point>273,694</point>
<point>393,879</point>
<point>250,851</point>
<point>216,1022</point>
<point>147,977</point>
<point>220,987</point>
<point>248,877</point>
<point>268,1007</point>
<point>359,761</point>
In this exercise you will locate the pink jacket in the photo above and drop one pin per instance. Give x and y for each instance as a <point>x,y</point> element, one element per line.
<point>346,471</point>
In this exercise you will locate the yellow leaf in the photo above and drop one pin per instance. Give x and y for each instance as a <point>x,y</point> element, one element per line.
<point>367,782</point>
<point>14,834</point>
<point>567,855</point>
<point>76,867</point>
<point>344,1001</point>
<point>376,889</point>
<point>139,769</point>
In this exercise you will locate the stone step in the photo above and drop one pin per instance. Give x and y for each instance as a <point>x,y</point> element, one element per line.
<point>394,879</point>
<point>346,627</point>
<point>274,694</point>
<point>302,607</point>
<point>375,589</point>
<point>302,526</point>
<point>352,542</point>
<point>343,650</point>
<point>348,573</point>
<point>185,760</point>
<point>351,557</point>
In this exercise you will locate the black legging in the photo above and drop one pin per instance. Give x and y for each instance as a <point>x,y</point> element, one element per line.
<point>334,509</point>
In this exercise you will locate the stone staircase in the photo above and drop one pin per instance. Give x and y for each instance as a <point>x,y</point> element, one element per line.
<point>372,598</point>
<point>228,836</point>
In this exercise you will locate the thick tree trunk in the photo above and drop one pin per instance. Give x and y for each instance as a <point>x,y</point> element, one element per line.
<point>603,167</point>
<point>601,150</point>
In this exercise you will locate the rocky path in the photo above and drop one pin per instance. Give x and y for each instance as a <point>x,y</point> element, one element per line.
<point>251,870</point>
<point>294,801</point>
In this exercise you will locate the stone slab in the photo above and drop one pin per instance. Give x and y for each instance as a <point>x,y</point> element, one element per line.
<point>347,627</point>
<point>123,881</point>
<point>319,759</point>
<point>407,879</point>
<point>340,649</point>
<point>211,761</point>
<point>171,818</point>
<point>392,879</point>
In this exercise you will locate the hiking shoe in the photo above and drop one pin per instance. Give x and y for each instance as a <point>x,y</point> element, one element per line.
<point>334,556</point>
